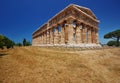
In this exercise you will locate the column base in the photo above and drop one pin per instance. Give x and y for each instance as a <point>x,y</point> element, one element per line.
<point>70,45</point>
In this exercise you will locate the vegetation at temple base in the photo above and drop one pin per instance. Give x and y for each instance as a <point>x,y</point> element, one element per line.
<point>26,43</point>
<point>115,35</point>
<point>6,42</point>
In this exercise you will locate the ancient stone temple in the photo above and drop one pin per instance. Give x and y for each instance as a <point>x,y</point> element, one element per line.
<point>73,26</point>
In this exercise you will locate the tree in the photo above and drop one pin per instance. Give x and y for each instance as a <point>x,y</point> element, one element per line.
<point>18,44</point>
<point>28,43</point>
<point>1,41</point>
<point>111,43</point>
<point>8,43</point>
<point>4,41</point>
<point>24,42</point>
<point>114,35</point>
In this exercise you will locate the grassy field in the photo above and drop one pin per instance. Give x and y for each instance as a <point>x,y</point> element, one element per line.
<point>45,65</point>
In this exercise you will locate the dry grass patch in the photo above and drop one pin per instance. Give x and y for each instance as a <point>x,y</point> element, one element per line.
<point>49,65</point>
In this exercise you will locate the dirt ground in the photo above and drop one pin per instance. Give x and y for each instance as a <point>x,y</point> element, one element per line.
<point>47,65</point>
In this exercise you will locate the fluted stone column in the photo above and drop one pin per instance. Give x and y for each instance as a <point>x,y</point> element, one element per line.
<point>80,26</point>
<point>48,34</point>
<point>59,34</point>
<point>43,38</point>
<point>59,37</point>
<point>84,34</point>
<point>63,34</point>
<point>46,37</point>
<point>66,33</point>
<point>89,35</point>
<point>51,36</point>
<point>93,36</point>
<point>78,36</point>
<point>40,39</point>
<point>56,36</point>
<point>36,40</point>
<point>70,31</point>
<point>97,37</point>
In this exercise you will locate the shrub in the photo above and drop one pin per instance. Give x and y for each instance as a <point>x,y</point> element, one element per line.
<point>4,41</point>
<point>112,43</point>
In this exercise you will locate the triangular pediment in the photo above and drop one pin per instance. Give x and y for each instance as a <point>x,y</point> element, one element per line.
<point>85,10</point>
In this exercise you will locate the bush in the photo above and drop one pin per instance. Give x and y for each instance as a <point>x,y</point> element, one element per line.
<point>4,41</point>
<point>112,43</point>
<point>19,44</point>
<point>26,43</point>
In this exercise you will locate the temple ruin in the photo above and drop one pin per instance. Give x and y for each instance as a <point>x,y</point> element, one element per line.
<point>73,26</point>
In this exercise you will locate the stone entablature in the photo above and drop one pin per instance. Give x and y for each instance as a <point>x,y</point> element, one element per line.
<point>73,25</point>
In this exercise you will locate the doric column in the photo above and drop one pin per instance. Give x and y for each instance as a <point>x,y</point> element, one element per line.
<point>66,33</point>
<point>80,26</point>
<point>51,36</point>
<point>93,35</point>
<point>69,31</point>
<point>96,36</point>
<point>48,38</point>
<point>59,37</point>
<point>84,33</point>
<point>42,39</point>
<point>81,34</point>
<point>97,39</point>
<point>56,36</point>
<point>78,36</point>
<point>37,40</point>
<point>89,35</point>
<point>59,34</point>
<point>63,34</point>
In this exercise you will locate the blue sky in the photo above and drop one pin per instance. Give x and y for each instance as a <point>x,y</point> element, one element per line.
<point>20,18</point>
